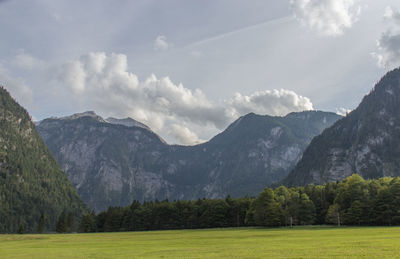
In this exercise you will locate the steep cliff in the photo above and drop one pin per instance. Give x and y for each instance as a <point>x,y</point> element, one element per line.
<point>366,142</point>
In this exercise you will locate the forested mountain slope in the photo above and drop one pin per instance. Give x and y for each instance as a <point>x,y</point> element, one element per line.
<point>31,183</point>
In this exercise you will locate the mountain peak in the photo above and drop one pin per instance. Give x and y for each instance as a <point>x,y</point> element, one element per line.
<point>90,114</point>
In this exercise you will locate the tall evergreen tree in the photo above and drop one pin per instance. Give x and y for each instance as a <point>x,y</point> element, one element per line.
<point>70,222</point>
<point>88,223</point>
<point>61,226</point>
<point>41,224</point>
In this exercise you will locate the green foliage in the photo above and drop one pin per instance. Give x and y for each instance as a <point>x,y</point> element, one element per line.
<point>265,210</point>
<point>333,215</point>
<point>306,210</point>
<point>202,213</point>
<point>31,183</point>
<point>354,201</point>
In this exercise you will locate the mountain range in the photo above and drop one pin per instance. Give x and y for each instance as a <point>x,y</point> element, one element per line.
<point>114,161</point>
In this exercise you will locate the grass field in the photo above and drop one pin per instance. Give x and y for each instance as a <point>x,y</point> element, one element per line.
<point>300,242</point>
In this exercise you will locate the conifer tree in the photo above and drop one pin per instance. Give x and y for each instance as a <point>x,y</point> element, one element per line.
<point>61,226</point>
<point>41,224</point>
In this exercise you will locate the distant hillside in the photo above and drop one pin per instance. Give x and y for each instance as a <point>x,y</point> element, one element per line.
<point>112,164</point>
<point>31,183</point>
<point>366,142</point>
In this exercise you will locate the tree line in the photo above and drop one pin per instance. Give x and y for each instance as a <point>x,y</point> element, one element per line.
<point>354,201</point>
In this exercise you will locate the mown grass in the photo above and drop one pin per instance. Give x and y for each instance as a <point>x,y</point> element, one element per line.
<point>300,242</point>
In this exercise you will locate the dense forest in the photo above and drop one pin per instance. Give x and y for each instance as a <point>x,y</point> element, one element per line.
<point>354,201</point>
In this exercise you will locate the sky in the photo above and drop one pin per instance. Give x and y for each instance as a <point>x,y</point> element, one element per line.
<point>188,69</point>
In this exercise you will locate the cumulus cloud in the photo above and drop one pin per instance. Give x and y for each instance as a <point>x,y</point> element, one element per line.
<point>103,83</point>
<point>328,17</point>
<point>272,102</point>
<point>161,44</point>
<point>388,55</point>
<point>74,76</point>
<point>184,135</point>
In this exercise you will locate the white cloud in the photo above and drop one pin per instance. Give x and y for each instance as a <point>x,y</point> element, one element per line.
<point>17,88</point>
<point>103,83</point>
<point>74,76</point>
<point>184,135</point>
<point>328,17</point>
<point>392,14</point>
<point>388,55</point>
<point>272,102</point>
<point>161,44</point>
<point>28,62</point>
<point>343,111</point>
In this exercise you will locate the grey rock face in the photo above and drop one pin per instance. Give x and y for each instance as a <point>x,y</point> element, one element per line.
<point>366,141</point>
<point>129,122</point>
<point>113,162</point>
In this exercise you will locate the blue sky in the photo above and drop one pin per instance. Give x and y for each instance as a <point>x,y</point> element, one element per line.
<point>189,68</point>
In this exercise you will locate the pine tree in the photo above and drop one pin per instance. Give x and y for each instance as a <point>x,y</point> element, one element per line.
<point>88,223</point>
<point>21,229</point>
<point>41,224</point>
<point>61,226</point>
<point>70,222</point>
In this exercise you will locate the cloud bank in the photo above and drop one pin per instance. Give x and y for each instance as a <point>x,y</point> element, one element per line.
<point>327,17</point>
<point>103,83</point>
<point>388,55</point>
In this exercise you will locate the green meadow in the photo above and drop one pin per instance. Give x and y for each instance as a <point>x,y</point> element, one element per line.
<point>299,242</point>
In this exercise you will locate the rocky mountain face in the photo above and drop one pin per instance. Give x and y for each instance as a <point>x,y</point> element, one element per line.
<point>366,141</point>
<point>112,162</point>
<point>31,183</point>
